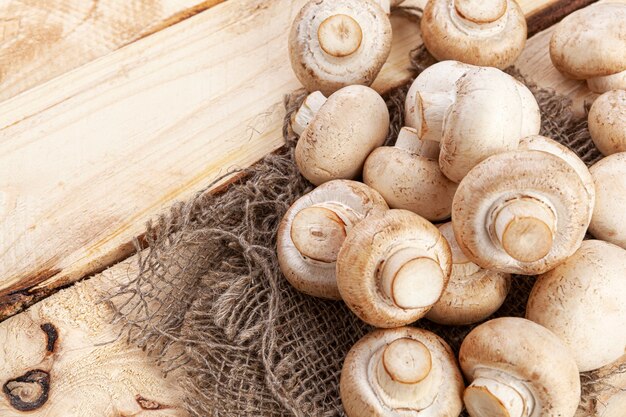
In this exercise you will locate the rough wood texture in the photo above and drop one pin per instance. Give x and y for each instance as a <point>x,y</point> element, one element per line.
<point>56,360</point>
<point>40,40</point>
<point>88,157</point>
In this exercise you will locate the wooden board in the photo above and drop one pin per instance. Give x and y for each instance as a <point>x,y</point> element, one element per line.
<point>88,157</point>
<point>40,40</point>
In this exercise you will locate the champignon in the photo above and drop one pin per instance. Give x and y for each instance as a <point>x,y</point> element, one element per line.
<point>607,122</point>
<point>488,33</point>
<point>609,214</point>
<point>474,112</point>
<point>313,229</point>
<point>604,391</point>
<point>590,44</point>
<point>472,294</point>
<point>521,212</point>
<point>582,302</point>
<point>518,369</point>
<point>401,371</point>
<point>337,134</point>
<point>407,175</point>
<point>392,267</point>
<point>336,43</point>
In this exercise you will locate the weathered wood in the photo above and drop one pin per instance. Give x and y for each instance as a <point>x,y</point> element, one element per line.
<point>88,157</point>
<point>40,40</point>
<point>62,357</point>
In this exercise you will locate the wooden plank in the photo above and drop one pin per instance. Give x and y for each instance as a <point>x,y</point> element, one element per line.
<point>88,371</point>
<point>40,40</point>
<point>88,157</point>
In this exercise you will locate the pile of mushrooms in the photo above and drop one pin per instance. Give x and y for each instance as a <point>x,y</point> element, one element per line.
<point>507,201</point>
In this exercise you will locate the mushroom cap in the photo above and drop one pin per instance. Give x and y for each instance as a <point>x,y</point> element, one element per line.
<point>508,177</point>
<point>606,83</point>
<point>529,354</point>
<point>609,216</point>
<point>472,294</point>
<point>346,129</point>
<point>582,302</point>
<point>607,122</point>
<point>604,391</point>
<point>409,181</point>
<point>486,119</point>
<point>542,143</point>
<point>591,42</point>
<point>487,33</point>
<point>329,70</point>
<point>317,277</point>
<point>361,395</point>
<point>370,247</point>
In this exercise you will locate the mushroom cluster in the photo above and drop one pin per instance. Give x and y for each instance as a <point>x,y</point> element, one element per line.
<point>507,200</point>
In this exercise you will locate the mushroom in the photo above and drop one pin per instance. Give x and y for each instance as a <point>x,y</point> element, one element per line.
<point>407,175</point>
<point>336,43</point>
<point>472,294</point>
<point>402,371</point>
<point>582,302</point>
<point>489,33</point>
<point>518,369</point>
<point>590,44</point>
<point>474,112</point>
<point>521,212</point>
<point>609,214</point>
<point>607,122</point>
<point>337,134</point>
<point>392,267</point>
<point>313,229</point>
<point>604,391</point>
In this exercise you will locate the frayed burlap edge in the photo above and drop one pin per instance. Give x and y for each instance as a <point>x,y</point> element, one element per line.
<point>209,298</point>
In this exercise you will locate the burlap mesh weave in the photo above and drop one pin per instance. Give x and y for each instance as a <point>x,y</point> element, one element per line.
<point>210,299</point>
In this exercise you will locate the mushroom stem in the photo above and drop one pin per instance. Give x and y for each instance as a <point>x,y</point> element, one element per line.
<point>307,111</point>
<point>403,373</point>
<point>606,83</point>
<point>432,108</point>
<point>339,35</point>
<point>411,279</point>
<point>479,17</point>
<point>409,140</point>
<point>525,228</point>
<point>319,230</point>
<point>488,397</point>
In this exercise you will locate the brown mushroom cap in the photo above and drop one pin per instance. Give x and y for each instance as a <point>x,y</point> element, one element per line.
<point>487,33</point>
<point>609,214</point>
<point>472,294</point>
<point>409,180</point>
<point>518,368</point>
<point>392,268</point>
<point>336,43</point>
<point>607,122</point>
<point>582,302</point>
<point>341,134</point>
<point>400,371</point>
<point>313,229</point>
<point>520,212</point>
<point>591,42</point>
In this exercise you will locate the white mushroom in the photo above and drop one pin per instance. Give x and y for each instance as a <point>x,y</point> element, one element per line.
<point>609,214</point>
<point>336,43</point>
<point>607,122</point>
<point>604,391</point>
<point>313,229</point>
<point>518,369</point>
<point>392,267</point>
<point>474,112</point>
<point>521,212</point>
<point>590,44</point>
<point>582,302</point>
<point>407,175</point>
<point>337,134</point>
<point>472,294</point>
<point>481,32</point>
<point>402,371</point>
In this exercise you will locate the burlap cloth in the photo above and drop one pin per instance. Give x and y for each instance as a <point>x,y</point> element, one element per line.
<point>210,298</point>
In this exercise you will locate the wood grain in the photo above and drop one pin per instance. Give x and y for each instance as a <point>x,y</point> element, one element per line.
<point>40,40</point>
<point>88,157</point>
